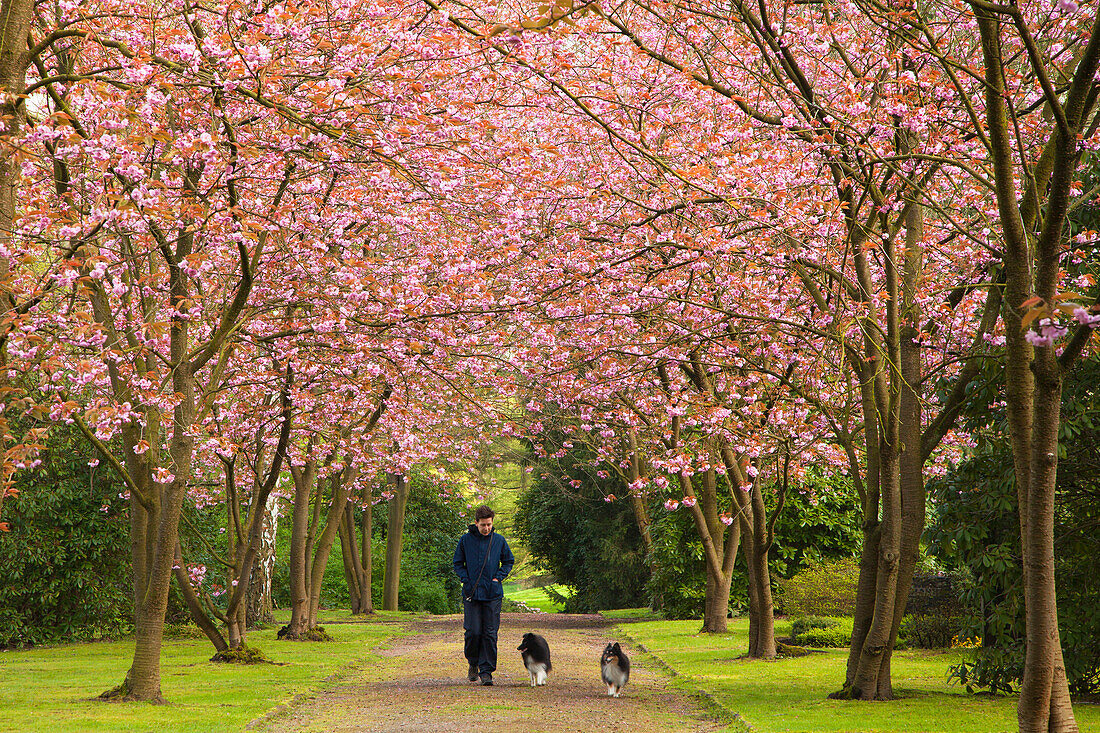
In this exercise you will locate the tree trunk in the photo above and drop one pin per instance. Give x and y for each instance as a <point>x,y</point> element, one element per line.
<point>261,608</point>
<point>15,17</point>
<point>637,472</point>
<point>357,561</point>
<point>349,553</point>
<point>367,558</point>
<point>299,548</point>
<point>340,483</point>
<point>144,677</point>
<point>761,605</point>
<point>1033,375</point>
<point>911,460</point>
<point>394,536</point>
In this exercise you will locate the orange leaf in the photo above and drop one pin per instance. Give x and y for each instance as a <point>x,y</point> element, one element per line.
<point>1030,316</point>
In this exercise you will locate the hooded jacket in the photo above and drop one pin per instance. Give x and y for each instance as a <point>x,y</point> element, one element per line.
<point>470,556</point>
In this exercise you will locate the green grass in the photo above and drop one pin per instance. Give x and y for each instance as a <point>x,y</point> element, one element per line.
<point>631,614</point>
<point>534,597</point>
<point>54,689</point>
<point>790,694</point>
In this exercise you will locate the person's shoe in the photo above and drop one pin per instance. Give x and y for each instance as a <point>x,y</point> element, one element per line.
<point>472,674</point>
<point>487,679</point>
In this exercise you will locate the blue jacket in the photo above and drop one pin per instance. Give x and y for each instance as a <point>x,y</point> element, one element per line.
<point>469,556</point>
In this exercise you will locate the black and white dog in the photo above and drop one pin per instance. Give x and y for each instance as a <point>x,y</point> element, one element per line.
<point>614,668</point>
<point>536,657</point>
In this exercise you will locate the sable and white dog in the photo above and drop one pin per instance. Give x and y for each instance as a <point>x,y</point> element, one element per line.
<point>614,668</point>
<point>536,657</point>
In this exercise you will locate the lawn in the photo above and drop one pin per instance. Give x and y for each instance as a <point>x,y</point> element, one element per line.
<point>54,688</point>
<point>534,597</point>
<point>789,695</point>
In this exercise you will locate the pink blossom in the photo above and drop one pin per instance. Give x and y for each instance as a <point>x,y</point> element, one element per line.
<point>672,505</point>
<point>689,501</point>
<point>197,573</point>
<point>1085,318</point>
<point>1048,333</point>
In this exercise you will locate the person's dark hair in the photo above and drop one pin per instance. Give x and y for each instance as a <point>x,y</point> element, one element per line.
<point>483,512</point>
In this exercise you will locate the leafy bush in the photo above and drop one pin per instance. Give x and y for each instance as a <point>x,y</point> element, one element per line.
<point>996,669</point>
<point>825,589</point>
<point>821,631</point>
<point>66,560</point>
<point>802,624</point>
<point>824,638</point>
<point>929,631</point>
<point>820,521</point>
<point>589,544</point>
<point>677,587</point>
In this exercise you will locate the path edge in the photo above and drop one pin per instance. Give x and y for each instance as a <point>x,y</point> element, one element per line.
<point>341,673</point>
<point>725,713</point>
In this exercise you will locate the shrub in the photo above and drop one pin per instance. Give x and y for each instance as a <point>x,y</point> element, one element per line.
<point>825,638</point>
<point>585,542</point>
<point>820,521</point>
<point>802,624</point>
<point>997,669</point>
<point>678,584</point>
<point>66,560</point>
<point>826,589</point>
<point>929,631</point>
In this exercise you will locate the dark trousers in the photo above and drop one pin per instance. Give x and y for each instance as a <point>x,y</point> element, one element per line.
<point>481,619</point>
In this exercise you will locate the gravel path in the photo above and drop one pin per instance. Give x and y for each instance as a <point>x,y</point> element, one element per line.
<point>417,684</point>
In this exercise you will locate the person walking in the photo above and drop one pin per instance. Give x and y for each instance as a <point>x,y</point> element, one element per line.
<point>482,562</point>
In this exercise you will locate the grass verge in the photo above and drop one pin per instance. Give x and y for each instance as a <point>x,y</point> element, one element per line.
<point>54,689</point>
<point>789,695</point>
<point>536,598</point>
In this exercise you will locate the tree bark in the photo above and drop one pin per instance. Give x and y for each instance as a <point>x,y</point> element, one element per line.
<point>261,608</point>
<point>636,472</point>
<point>761,604</point>
<point>341,483</point>
<point>349,552</point>
<point>366,604</point>
<point>394,537</point>
<point>304,478</point>
<point>1033,375</point>
<point>15,22</point>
